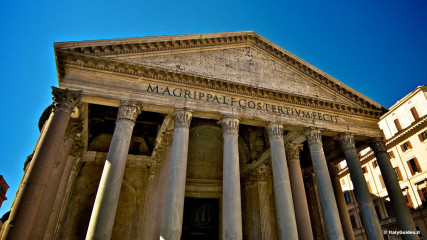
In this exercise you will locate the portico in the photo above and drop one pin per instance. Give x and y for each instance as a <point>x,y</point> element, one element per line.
<point>229,124</point>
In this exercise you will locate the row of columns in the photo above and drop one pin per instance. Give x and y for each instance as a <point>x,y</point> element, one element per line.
<point>42,180</point>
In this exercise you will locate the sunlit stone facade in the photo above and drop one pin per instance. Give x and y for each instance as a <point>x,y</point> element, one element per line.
<point>205,136</point>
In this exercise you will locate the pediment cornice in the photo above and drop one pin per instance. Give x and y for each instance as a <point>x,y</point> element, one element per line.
<point>69,58</point>
<point>132,46</point>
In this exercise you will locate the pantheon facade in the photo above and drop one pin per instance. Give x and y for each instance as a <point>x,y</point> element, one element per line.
<point>202,136</point>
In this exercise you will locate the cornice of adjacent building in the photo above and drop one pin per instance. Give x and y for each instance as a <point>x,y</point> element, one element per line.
<point>402,101</point>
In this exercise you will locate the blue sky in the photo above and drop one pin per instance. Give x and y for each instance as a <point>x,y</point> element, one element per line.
<point>379,48</point>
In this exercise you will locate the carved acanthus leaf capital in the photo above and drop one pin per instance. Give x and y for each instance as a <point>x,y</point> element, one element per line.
<point>314,136</point>
<point>65,100</point>
<point>75,127</point>
<point>183,118</point>
<point>261,174</point>
<point>293,151</point>
<point>347,141</point>
<point>275,130</point>
<point>378,146</point>
<point>230,125</point>
<point>129,110</point>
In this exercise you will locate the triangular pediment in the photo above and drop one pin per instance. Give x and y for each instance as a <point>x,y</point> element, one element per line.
<point>245,65</point>
<point>243,58</point>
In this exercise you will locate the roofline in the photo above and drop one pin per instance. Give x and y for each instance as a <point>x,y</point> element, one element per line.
<point>404,100</point>
<point>274,48</point>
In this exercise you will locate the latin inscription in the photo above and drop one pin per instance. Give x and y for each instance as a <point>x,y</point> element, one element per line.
<point>241,102</point>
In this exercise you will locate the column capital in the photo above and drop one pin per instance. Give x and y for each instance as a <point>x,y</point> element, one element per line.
<point>378,145</point>
<point>65,99</point>
<point>261,174</point>
<point>275,130</point>
<point>314,135</point>
<point>347,141</point>
<point>293,151</point>
<point>230,125</point>
<point>74,127</point>
<point>129,110</point>
<point>182,118</point>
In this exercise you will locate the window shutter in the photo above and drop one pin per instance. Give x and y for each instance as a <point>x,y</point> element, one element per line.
<point>410,167</point>
<point>399,174</point>
<point>409,144</point>
<point>420,137</point>
<point>403,148</point>
<point>420,193</point>
<point>415,113</point>
<point>418,165</point>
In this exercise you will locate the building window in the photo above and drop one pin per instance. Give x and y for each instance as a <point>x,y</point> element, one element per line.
<point>391,153</point>
<point>414,166</point>
<point>423,136</point>
<point>408,201</point>
<point>398,173</point>
<point>365,169</point>
<point>353,221</point>
<point>374,163</point>
<point>347,197</point>
<point>422,192</point>
<point>389,208</point>
<point>398,126</point>
<point>415,113</point>
<point>381,181</point>
<point>406,146</point>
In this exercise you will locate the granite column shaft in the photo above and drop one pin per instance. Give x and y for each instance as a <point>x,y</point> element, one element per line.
<point>105,206</point>
<point>363,196</point>
<point>324,185</point>
<point>231,209</point>
<point>403,215</point>
<point>302,214</point>
<point>286,223</point>
<point>173,208</point>
<point>23,219</point>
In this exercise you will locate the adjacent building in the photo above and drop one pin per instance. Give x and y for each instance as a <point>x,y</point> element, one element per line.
<point>3,189</point>
<point>405,130</point>
<point>202,136</point>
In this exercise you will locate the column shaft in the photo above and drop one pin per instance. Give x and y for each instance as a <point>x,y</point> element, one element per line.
<point>287,226</point>
<point>105,206</point>
<point>342,207</point>
<point>403,215</point>
<point>157,198</point>
<point>324,185</point>
<point>231,209</point>
<point>173,209</point>
<point>302,214</point>
<point>23,218</point>
<point>363,196</point>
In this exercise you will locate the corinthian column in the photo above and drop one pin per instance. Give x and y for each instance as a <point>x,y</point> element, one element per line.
<point>363,196</point>
<point>107,197</point>
<point>341,204</point>
<point>302,214</point>
<point>173,208</point>
<point>23,217</point>
<point>324,185</point>
<point>286,223</point>
<point>231,208</point>
<point>400,209</point>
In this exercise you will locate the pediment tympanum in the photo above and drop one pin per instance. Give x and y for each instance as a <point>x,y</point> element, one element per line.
<point>244,65</point>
